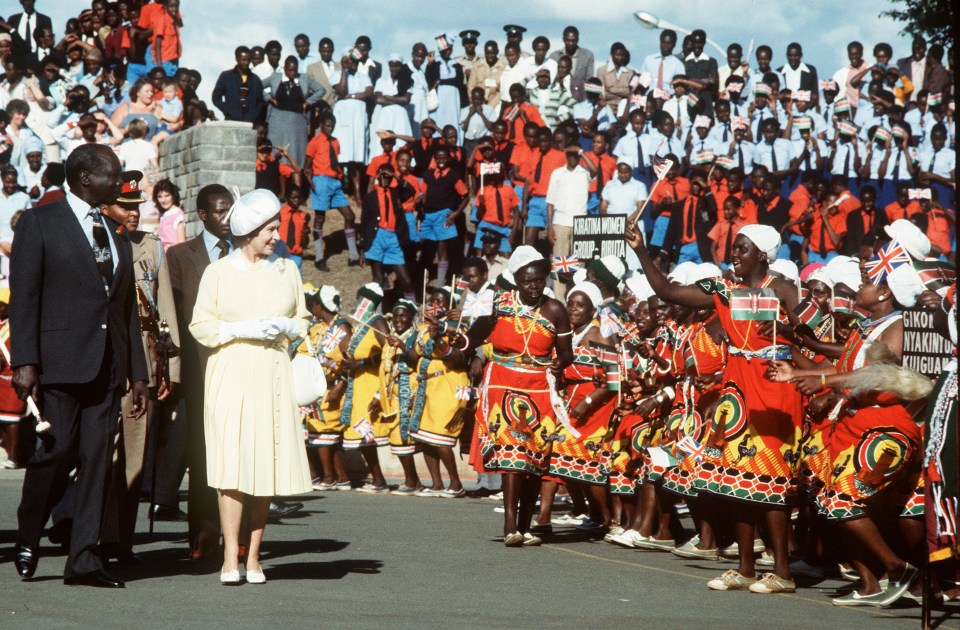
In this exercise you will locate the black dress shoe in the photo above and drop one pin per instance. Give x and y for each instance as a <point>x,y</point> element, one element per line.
<point>321,265</point>
<point>168,513</point>
<point>99,578</point>
<point>25,559</point>
<point>279,510</point>
<point>123,555</point>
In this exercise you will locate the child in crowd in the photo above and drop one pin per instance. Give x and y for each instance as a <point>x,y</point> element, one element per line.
<point>723,233</point>
<point>169,112</point>
<point>173,227</point>
<point>294,226</point>
<point>137,154</point>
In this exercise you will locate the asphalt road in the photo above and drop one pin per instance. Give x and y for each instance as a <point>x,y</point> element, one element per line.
<point>360,561</point>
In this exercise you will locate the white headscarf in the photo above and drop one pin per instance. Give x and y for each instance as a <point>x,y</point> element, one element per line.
<point>590,290</point>
<point>764,237</point>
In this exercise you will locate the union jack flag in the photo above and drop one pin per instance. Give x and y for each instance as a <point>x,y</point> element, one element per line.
<point>332,340</point>
<point>661,166</point>
<point>565,264</point>
<point>660,94</point>
<point>490,168</point>
<point>610,324</point>
<point>464,392</point>
<point>919,193</point>
<point>638,100</point>
<point>691,448</point>
<point>365,429</point>
<point>478,304</point>
<point>462,284</point>
<point>802,96</point>
<point>884,261</point>
<point>434,309</point>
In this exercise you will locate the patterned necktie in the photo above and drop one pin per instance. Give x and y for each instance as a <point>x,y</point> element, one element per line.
<point>224,248</point>
<point>101,248</point>
<point>660,75</point>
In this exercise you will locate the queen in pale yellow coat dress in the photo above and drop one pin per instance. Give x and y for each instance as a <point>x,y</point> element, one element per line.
<point>250,305</point>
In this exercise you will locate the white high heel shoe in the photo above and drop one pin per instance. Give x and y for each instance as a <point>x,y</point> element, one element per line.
<point>230,578</point>
<point>256,577</point>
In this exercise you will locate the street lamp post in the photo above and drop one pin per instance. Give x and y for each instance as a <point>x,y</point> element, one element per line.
<point>650,21</point>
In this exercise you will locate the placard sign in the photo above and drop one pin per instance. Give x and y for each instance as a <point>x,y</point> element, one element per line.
<point>924,349</point>
<point>597,236</point>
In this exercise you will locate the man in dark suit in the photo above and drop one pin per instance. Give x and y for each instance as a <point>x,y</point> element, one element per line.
<point>75,349</point>
<point>798,75</point>
<point>180,274</point>
<point>27,23</point>
<point>913,66</point>
<point>238,93</point>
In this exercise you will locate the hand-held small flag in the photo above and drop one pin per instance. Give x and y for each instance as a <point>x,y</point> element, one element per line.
<point>754,304</point>
<point>919,193</point>
<point>891,256</point>
<point>489,168</point>
<point>565,264</point>
<point>365,429</point>
<point>332,339</point>
<point>464,392</point>
<point>364,310</point>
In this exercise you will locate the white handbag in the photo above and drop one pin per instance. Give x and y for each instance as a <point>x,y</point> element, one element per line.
<point>433,100</point>
<point>309,381</point>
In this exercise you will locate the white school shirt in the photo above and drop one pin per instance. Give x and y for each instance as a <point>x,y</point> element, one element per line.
<point>796,146</point>
<point>567,193</point>
<point>940,162</point>
<point>671,68</point>
<point>476,129</point>
<point>845,149</point>
<point>763,154</point>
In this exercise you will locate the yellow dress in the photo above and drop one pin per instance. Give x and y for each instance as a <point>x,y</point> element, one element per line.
<point>398,388</point>
<point>323,419</point>
<point>439,423</point>
<point>254,439</point>
<point>361,388</point>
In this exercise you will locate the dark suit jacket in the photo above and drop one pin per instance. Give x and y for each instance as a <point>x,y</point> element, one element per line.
<point>370,216</point>
<point>183,266</point>
<point>61,318</point>
<point>41,20</point>
<point>905,66</point>
<point>808,80</point>
<point>226,96</point>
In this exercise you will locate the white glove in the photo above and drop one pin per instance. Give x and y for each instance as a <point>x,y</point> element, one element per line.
<point>258,329</point>
<point>289,326</point>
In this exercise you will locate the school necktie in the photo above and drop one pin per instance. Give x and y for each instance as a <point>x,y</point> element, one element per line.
<point>291,237</point>
<point>641,161</point>
<point>867,218</point>
<point>823,237</point>
<point>896,167</point>
<point>537,171</point>
<point>386,204</point>
<point>224,248</point>
<point>740,155</point>
<point>688,218</point>
<point>101,248</point>
<point>933,161</point>
<point>728,247</point>
<point>773,157</point>
<point>600,181</point>
<point>846,162</point>
<point>660,75</point>
<point>499,201</point>
<point>726,132</point>
<point>334,162</point>
<point>806,160</point>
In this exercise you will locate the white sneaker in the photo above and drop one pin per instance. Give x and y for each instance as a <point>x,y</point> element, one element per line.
<point>627,539</point>
<point>256,577</point>
<point>571,520</point>
<point>614,531</point>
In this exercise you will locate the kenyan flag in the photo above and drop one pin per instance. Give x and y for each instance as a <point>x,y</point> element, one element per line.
<point>809,313</point>
<point>754,304</point>
<point>936,275</point>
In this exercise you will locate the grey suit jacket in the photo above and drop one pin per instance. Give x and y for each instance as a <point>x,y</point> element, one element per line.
<point>312,90</point>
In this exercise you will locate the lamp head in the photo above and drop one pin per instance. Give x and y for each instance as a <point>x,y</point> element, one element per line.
<point>646,20</point>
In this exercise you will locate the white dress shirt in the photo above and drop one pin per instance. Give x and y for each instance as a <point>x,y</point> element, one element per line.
<point>567,193</point>
<point>791,77</point>
<point>81,209</point>
<point>622,198</point>
<point>671,68</point>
